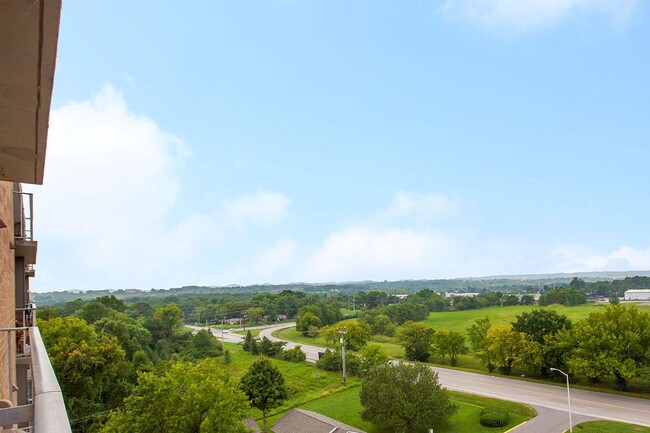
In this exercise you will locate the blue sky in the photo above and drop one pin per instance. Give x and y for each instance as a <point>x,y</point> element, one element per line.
<point>287,140</point>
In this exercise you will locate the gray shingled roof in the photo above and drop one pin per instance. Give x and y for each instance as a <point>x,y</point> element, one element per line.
<point>306,421</point>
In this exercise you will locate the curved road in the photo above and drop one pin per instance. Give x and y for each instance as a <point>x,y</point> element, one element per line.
<point>550,401</point>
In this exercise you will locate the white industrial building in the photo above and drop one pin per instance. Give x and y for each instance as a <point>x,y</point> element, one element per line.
<point>637,295</point>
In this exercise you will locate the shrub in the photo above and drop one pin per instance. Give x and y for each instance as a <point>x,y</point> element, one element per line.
<point>294,355</point>
<point>494,417</point>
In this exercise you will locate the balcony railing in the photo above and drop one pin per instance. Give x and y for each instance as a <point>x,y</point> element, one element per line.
<point>25,231</point>
<point>40,402</point>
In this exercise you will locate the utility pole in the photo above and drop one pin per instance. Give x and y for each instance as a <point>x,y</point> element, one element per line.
<point>354,305</point>
<point>343,330</point>
<point>222,329</point>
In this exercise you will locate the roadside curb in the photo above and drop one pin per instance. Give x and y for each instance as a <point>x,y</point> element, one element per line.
<point>516,427</point>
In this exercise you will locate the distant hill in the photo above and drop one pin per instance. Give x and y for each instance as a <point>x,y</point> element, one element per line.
<point>504,283</point>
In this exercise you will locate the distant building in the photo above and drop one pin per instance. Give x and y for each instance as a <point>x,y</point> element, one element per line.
<point>306,421</point>
<point>637,295</point>
<point>464,294</point>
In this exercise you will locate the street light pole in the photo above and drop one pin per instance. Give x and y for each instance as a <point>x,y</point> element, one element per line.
<point>568,394</point>
<point>343,331</point>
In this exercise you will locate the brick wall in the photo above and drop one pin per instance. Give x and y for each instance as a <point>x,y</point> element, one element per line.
<point>7,284</point>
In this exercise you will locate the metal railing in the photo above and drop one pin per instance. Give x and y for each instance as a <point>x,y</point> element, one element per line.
<point>41,407</point>
<point>26,231</point>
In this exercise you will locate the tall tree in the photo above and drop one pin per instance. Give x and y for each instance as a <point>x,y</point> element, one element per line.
<point>264,386</point>
<point>88,363</point>
<point>193,398</point>
<point>537,324</point>
<point>416,339</point>
<point>449,343</point>
<point>507,349</point>
<point>404,398</point>
<point>356,334</point>
<point>611,342</point>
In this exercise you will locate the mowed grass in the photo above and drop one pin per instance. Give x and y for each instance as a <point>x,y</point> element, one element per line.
<point>290,334</point>
<point>609,427</point>
<point>504,316</point>
<point>304,380</point>
<point>388,344</point>
<point>346,407</point>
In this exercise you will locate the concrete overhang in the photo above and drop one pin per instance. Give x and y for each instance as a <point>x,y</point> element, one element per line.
<point>29,33</point>
<point>27,249</point>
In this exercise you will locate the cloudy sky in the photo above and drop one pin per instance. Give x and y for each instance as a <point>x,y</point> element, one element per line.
<point>223,142</point>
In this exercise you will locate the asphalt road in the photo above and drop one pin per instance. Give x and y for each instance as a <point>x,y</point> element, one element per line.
<point>550,401</point>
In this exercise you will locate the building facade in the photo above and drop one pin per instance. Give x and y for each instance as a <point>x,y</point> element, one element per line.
<point>637,295</point>
<point>30,397</point>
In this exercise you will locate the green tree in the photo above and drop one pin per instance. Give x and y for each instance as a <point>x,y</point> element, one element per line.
<point>416,339</point>
<point>254,314</point>
<point>477,332</point>
<point>264,386</point>
<point>508,349</point>
<point>611,342</point>
<point>382,325</point>
<point>404,398</point>
<point>306,321</point>
<point>130,333</point>
<point>193,398</point>
<point>569,297</point>
<point>577,284</point>
<point>92,312</point>
<point>372,356</point>
<point>527,300</point>
<point>449,343</point>
<point>89,364</point>
<point>204,345</point>
<point>357,334</point>
<point>537,324</point>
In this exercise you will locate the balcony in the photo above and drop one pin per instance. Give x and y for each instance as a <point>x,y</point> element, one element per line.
<point>40,408</point>
<point>24,241</point>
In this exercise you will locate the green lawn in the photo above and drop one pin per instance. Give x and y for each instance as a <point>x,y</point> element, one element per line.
<point>323,392</point>
<point>609,427</point>
<point>290,334</point>
<point>304,380</point>
<point>346,407</point>
<point>254,332</point>
<point>503,316</point>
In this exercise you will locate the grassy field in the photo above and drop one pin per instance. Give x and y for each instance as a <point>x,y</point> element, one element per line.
<point>304,380</point>
<point>323,392</point>
<point>457,321</point>
<point>503,316</point>
<point>346,407</point>
<point>609,427</point>
<point>254,332</point>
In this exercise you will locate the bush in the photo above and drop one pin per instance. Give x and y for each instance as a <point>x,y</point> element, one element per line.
<point>494,417</point>
<point>294,355</point>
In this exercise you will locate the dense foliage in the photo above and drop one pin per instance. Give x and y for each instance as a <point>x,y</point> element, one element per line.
<point>404,398</point>
<point>188,397</point>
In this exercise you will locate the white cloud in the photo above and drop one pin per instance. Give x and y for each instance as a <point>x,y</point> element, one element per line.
<point>262,208</point>
<point>396,242</point>
<point>623,259</point>
<point>368,253</point>
<point>521,15</point>
<point>107,213</point>
<point>274,263</point>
